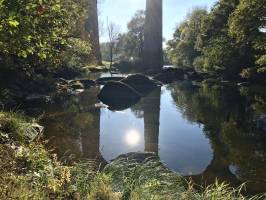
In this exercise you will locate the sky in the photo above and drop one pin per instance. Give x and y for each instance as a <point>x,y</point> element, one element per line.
<point>121,11</point>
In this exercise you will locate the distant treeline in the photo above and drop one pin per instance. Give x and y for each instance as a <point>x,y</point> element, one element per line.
<point>229,41</point>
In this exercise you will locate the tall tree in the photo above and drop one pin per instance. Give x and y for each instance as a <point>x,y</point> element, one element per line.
<point>92,27</point>
<point>113,35</point>
<point>136,29</point>
<point>181,49</point>
<point>130,44</point>
<point>153,51</point>
<point>220,54</point>
<point>247,24</point>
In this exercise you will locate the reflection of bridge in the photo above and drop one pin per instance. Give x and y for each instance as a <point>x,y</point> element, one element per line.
<point>218,169</point>
<point>86,122</point>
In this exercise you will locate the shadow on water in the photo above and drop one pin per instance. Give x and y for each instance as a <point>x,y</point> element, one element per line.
<point>206,132</point>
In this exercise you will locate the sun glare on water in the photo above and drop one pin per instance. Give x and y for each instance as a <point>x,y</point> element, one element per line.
<point>132,137</point>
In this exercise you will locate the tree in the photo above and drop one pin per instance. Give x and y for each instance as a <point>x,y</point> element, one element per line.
<point>247,24</point>
<point>208,42</point>
<point>136,29</point>
<point>153,40</point>
<point>130,44</point>
<point>92,27</point>
<point>220,55</point>
<point>182,48</point>
<point>37,30</point>
<point>113,34</point>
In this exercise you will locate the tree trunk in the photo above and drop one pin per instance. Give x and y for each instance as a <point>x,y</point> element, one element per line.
<point>153,40</point>
<point>92,27</point>
<point>111,55</point>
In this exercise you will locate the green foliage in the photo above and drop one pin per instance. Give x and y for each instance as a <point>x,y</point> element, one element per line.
<point>77,54</point>
<point>247,24</point>
<point>15,127</point>
<point>221,191</point>
<point>101,188</point>
<point>182,48</point>
<point>229,41</point>
<point>217,56</point>
<point>37,29</point>
<point>220,54</point>
<point>130,44</point>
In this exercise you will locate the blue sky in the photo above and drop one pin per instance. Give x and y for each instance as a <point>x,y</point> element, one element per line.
<point>121,11</point>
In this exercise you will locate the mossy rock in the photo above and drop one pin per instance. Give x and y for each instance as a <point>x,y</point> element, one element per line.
<point>144,175</point>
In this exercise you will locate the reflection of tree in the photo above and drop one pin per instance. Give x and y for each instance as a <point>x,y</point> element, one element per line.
<point>74,127</point>
<point>230,120</point>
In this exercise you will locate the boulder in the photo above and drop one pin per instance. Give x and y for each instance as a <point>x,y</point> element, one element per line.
<point>87,82</point>
<point>118,95</point>
<point>169,75</point>
<point>104,80</point>
<point>141,83</point>
<point>76,85</point>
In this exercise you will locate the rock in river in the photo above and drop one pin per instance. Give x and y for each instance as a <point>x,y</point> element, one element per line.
<point>140,83</point>
<point>76,85</point>
<point>118,95</point>
<point>104,80</point>
<point>170,75</point>
<point>87,82</point>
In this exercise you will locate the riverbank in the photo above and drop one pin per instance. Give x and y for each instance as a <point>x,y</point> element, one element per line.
<point>30,171</point>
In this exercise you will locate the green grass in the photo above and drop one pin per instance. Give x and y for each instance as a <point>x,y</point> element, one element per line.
<point>15,127</point>
<point>29,171</point>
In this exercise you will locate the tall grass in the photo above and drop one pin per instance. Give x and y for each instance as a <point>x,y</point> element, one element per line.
<point>16,127</point>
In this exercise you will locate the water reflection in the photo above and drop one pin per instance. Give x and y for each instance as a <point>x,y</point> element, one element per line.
<point>151,108</point>
<point>132,137</point>
<point>232,120</point>
<point>207,131</point>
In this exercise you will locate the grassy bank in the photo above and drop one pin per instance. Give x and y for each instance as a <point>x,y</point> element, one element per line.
<point>29,171</point>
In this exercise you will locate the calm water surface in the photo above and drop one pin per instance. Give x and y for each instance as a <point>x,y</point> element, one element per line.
<point>204,131</point>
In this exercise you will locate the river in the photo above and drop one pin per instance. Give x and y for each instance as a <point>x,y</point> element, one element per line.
<point>203,131</point>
